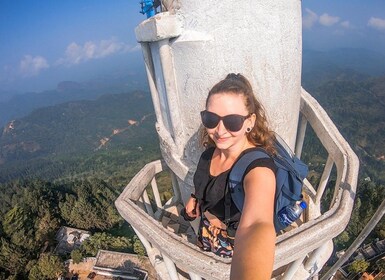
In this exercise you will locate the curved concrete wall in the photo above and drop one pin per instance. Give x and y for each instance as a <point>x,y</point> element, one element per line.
<point>261,39</point>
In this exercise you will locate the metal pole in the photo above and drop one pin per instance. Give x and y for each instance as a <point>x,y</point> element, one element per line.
<point>361,237</point>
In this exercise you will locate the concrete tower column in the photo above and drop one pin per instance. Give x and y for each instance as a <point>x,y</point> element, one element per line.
<point>195,44</point>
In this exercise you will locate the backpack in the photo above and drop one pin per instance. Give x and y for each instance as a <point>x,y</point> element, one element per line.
<point>290,174</point>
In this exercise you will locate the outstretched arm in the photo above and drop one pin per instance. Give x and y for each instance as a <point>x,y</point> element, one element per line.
<point>255,238</point>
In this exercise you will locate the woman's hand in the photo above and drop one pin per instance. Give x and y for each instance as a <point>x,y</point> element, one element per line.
<point>192,207</point>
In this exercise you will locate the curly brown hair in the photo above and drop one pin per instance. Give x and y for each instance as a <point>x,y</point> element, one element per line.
<point>260,135</point>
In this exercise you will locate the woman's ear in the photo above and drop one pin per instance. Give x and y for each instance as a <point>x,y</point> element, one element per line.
<point>252,120</point>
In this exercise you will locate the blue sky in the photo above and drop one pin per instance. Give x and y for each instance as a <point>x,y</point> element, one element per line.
<point>44,42</point>
<point>331,24</point>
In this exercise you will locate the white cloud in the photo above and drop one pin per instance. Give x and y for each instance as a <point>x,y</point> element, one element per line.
<point>309,19</point>
<point>345,24</point>
<point>76,54</point>
<point>377,23</point>
<point>328,20</point>
<point>31,66</point>
<point>137,47</point>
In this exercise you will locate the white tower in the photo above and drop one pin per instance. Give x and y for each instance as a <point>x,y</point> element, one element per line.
<point>189,47</point>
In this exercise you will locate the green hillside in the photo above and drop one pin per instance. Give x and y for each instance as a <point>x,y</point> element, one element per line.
<point>101,138</point>
<point>358,111</point>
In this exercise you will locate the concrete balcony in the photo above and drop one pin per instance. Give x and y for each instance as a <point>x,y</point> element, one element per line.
<point>300,252</point>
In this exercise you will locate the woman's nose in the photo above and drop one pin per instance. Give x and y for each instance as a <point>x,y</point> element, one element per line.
<point>221,128</point>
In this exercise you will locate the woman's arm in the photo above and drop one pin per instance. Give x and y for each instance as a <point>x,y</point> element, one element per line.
<point>255,238</point>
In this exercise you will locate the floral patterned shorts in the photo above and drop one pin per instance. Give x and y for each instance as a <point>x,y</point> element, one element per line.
<point>214,239</point>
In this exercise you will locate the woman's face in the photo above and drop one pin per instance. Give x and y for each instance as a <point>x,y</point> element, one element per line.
<point>224,104</point>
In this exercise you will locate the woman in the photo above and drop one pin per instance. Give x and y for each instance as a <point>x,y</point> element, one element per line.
<point>235,123</point>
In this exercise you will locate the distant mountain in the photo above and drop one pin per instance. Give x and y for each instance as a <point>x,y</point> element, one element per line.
<point>5,95</point>
<point>22,104</point>
<point>69,86</point>
<point>340,64</point>
<point>79,136</point>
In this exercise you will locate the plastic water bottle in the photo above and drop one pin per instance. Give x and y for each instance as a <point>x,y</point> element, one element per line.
<point>291,213</point>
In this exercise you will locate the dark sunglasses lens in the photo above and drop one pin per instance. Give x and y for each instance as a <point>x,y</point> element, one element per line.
<point>233,122</point>
<point>209,120</point>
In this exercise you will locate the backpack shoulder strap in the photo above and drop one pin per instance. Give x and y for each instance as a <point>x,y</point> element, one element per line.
<point>238,170</point>
<point>235,181</point>
<point>201,175</point>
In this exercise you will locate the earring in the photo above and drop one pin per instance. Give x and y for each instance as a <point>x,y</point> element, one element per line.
<point>248,129</point>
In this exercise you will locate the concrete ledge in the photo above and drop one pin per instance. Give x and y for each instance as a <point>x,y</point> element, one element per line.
<point>159,27</point>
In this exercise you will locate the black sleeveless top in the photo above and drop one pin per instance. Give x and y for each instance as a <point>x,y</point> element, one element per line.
<point>211,190</point>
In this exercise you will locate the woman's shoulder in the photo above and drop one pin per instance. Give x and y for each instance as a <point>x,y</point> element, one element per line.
<point>261,162</point>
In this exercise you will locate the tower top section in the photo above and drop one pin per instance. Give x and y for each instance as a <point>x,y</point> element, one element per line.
<point>191,45</point>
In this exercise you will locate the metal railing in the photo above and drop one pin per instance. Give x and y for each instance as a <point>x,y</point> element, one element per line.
<point>299,252</point>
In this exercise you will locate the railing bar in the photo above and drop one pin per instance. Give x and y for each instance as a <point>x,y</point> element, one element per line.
<point>174,181</point>
<point>147,245</point>
<point>142,179</point>
<point>147,204</point>
<point>337,189</point>
<point>324,179</point>
<point>314,256</point>
<point>155,191</point>
<point>292,269</point>
<point>140,203</point>
<point>151,80</point>
<point>194,276</point>
<point>171,268</point>
<point>167,63</point>
<point>300,136</point>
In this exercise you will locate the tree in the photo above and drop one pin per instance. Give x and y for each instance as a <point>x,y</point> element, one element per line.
<point>77,256</point>
<point>35,273</point>
<point>13,277</point>
<point>355,224</point>
<point>104,241</point>
<point>342,240</point>
<point>50,266</point>
<point>113,216</point>
<point>138,247</point>
<point>17,225</point>
<point>3,275</point>
<point>380,264</point>
<point>358,266</point>
<point>12,257</point>
<point>381,231</point>
<point>66,207</point>
<point>90,207</point>
<point>46,227</point>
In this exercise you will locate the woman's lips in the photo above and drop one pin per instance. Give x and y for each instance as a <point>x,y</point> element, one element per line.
<point>221,139</point>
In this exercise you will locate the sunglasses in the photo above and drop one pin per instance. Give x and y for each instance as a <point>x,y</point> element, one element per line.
<point>231,122</point>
